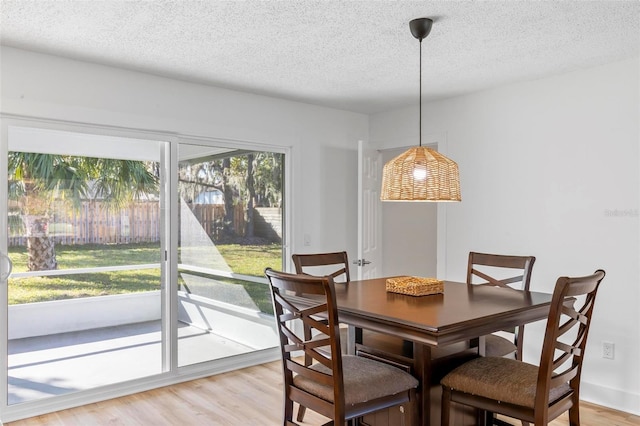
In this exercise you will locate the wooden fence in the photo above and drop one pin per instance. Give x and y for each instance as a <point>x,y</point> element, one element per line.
<point>211,218</point>
<point>93,223</point>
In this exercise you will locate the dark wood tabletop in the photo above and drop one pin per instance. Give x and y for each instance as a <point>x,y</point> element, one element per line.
<point>461,312</point>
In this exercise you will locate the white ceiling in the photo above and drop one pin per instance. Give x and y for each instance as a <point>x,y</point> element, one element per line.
<point>351,55</point>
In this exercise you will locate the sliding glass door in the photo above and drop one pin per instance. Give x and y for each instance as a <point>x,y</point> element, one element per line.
<point>230,230</point>
<point>131,262</point>
<point>84,295</point>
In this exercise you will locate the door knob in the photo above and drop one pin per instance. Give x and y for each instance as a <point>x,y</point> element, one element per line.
<point>361,262</point>
<point>5,259</point>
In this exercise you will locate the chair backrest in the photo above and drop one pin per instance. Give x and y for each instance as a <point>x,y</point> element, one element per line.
<point>310,301</point>
<point>317,264</point>
<point>498,270</point>
<point>565,340</point>
<point>482,266</point>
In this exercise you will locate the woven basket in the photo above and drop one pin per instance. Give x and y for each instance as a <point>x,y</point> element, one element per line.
<point>414,286</point>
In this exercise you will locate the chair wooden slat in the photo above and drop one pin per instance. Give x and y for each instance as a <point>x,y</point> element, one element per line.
<point>563,377</point>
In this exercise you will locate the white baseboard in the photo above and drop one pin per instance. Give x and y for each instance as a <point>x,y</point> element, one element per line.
<point>608,397</point>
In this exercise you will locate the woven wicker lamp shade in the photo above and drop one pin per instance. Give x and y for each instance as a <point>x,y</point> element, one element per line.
<point>420,174</point>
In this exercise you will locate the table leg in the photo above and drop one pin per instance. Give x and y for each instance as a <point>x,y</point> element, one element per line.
<point>422,366</point>
<point>430,365</point>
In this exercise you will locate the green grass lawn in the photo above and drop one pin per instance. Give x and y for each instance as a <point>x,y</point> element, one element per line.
<point>242,259</point>
<point>93,255</point>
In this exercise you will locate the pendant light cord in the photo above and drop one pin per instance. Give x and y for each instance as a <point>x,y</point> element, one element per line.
<point>420,118</point>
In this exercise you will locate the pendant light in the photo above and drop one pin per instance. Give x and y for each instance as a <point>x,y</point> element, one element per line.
<point>421,173</point>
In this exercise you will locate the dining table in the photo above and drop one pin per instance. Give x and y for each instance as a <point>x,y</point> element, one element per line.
<point>437,325</point>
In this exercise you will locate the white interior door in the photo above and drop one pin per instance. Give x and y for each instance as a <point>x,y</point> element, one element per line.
<point>369,208</point>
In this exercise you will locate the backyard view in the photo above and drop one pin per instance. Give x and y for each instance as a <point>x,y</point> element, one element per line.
<point>242,259</point>
<point>69,213</point>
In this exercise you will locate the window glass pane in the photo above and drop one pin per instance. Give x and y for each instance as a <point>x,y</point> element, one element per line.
<point>230,231</point>
<point>84,296</point>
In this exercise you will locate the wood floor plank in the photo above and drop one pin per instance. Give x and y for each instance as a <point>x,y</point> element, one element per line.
<point>251,396</point>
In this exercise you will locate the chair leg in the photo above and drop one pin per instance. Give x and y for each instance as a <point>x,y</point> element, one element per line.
<point>288,412</point>
<point>445,406</point>
<point>574,413</point>
<point>301,410</point>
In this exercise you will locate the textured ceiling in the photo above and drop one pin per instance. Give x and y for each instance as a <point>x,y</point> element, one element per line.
<point>352,55</point>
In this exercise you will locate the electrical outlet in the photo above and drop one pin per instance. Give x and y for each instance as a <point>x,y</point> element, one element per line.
<point>608,350</point>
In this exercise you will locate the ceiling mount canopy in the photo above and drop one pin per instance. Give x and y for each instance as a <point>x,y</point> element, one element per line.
<point>421,173</point>
<point>421,27</point>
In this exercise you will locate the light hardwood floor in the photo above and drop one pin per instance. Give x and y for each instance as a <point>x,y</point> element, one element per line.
<point>251,396</point>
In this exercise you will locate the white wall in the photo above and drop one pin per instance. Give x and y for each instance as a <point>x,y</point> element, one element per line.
<point>323,141</point>
<point>551,168</point>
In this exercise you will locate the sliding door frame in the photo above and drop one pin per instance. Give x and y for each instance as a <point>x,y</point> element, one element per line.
<point>171,373</point>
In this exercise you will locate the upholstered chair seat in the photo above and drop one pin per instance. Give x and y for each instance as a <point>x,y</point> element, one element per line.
<point>500,379</point>
<point>364,380</point>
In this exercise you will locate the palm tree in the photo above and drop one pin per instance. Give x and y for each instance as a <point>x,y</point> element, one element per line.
<point>36,180</point>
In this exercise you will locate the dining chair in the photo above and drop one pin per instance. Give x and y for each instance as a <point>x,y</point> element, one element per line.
<point>335,264</point>
<point>340,387</point>
<point>496,270</point>
<point>366,343</point>
<point>536,394</point>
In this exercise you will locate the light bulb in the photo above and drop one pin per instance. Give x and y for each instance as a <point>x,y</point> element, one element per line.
<point>419,174</point>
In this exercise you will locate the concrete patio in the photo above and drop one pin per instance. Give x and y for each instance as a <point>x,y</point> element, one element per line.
<point>57,364</point>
